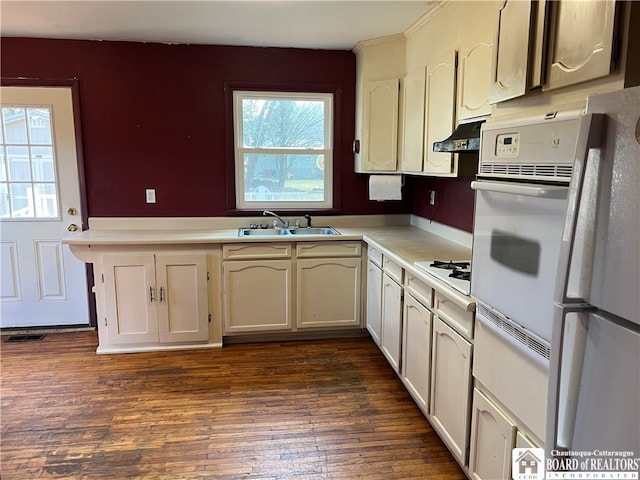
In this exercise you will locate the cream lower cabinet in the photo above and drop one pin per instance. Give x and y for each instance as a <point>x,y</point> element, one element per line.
<point>374,294</point>
<point>392,293</point>
<point>257,285</point>
<point>493,438</point>
<point>151,299</point>
<point>416,350</point>
<point>328,284</point>
<point>451,388</point>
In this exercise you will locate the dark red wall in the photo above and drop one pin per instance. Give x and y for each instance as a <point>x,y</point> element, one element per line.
<point>453,203</point>
<point>156,116</point>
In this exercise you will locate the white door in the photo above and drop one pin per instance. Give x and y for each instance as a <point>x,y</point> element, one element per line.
<point>42,284</point>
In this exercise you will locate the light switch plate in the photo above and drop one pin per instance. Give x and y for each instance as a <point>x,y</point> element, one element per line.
<point>151,195</point>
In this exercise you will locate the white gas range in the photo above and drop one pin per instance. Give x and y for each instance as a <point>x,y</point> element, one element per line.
<point>456,273</point>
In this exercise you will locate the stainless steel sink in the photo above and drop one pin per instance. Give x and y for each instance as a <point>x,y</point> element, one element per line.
<point>277,232</point>
<point>315,231</point>
<point>262,232</point>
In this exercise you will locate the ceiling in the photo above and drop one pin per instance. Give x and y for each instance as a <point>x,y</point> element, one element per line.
<point>327,24</point>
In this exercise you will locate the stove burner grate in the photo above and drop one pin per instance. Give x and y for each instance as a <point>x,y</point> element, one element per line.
<point>450,265</point>
<point>460,274</point>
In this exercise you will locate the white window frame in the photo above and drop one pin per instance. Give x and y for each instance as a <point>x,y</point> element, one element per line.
<point>241,150</point>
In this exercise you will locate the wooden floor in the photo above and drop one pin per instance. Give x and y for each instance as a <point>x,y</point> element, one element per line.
<point>330,409</point>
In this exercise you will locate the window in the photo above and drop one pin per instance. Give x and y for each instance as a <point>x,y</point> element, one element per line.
<point>28,186</point>
<point>283,150</point>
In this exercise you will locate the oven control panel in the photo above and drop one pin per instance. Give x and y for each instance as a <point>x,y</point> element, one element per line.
<point>507,145</point>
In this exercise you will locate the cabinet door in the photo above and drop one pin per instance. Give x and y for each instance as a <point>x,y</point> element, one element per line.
<point>257,295</point>
<point>374,301</point>
<point>328,292</point>
<point>581,41</point>
<point>182,298</point>
<point>416,350</point>
<point>413,121</point>
<point>380,125</point>
<point>440,113</point>
<point>130,299</point>
<point>450,388</point>
<point>511,55</point>
<point>492,440</point>
<point>391,321</point>
<point>474,77</point>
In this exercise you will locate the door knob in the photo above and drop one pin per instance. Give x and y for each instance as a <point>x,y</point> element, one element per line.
<point>72,227</point>
<point>72,211</point>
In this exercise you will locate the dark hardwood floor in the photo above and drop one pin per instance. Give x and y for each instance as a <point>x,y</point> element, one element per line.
<point>329,409</point>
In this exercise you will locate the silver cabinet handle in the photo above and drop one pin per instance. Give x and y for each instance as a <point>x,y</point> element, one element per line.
<point>161,294</point>
<point>151,294</point>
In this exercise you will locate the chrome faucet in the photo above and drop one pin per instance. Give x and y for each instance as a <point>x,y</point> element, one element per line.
<point>285,223</point>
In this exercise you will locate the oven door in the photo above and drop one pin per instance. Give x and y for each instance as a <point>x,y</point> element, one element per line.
<point>516,243</point>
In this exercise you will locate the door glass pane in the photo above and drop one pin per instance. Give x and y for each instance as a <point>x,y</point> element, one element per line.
<point>21,200</point>
<point>27,156</point>
<point>3,166</point>
<point>280,123</point>
<point>43,164</point>
<point>284,177</point>
<point>39,126</point>
<point>18,162</point>
<point>4,201</point>
<point>46,200</point>
<point>15,125</point>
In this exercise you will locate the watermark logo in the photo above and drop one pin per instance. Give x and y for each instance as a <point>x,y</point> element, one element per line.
<point>527,464</point>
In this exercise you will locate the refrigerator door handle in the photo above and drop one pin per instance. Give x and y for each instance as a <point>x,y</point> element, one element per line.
<point>565,374</point>
<point>590,134</point>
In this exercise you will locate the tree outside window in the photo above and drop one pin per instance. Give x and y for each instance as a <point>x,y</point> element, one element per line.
<point>283,150</point>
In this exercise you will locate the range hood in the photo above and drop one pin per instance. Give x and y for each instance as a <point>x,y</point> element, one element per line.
<point>465,138</point>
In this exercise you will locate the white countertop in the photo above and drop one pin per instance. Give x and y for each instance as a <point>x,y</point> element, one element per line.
<point>405,244</point>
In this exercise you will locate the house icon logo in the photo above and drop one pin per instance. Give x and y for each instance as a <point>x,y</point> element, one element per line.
<point>527,464</point>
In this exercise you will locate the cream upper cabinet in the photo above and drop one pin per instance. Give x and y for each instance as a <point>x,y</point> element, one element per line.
<point>413,111</point>
<point>474,76</point>
<point>512,57</point>
<point>581,41</point>
<point>151,299</point>
<point>440,113</point>
<point>380,125</point>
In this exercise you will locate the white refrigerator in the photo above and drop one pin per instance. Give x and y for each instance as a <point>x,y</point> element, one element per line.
<point>594,379</point>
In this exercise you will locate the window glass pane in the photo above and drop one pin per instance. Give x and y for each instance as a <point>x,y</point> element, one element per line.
<point>43,164</point>
<point>282,123</point>
<point>4,201</point>
<point>15,125</point>
<point>46,200</point>
<point>22,200</point>
<point>3,166</point>
<point>39,126</point>
<point>18,163</point>
<point>283,177</point>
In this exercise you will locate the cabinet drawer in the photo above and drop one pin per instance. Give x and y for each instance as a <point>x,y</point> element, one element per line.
<point>419,289</point>
<point>456,316</point>
<point>328,249</point>
<point>256,250</point>
<point>375,255</point>
<point>392,269</point>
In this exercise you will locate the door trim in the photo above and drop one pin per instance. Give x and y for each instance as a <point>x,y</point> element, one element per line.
<point>74,85</point>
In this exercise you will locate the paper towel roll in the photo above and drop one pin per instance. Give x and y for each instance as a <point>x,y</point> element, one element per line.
<point>385,187</point>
